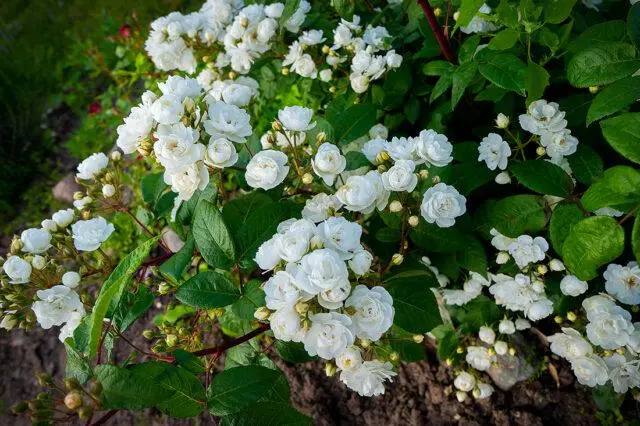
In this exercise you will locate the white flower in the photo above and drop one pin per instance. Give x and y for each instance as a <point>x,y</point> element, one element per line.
<point>320,207</point>
<point>363,193</point>
<point>35,240</point>
<point>607,211</point>
<point>360,263</point>
<point>17,269</point>
<point>88,235</point>
<point>369,378</point>
<point>305,66</point>
<point>441,204</point>
<point>375,146</point>
<point>393,59</point>
<point>49,225</point>
<point>601,303</point>
<point>559,144</point>
<point>479,24</point>
<point>285,324</point>
<point>487,335</point>
<point>522,324</point>
<point>228,121</point>
<point>326,75</point>
<point>359,83</point>
<point>292,245</point>
<point>281,291</point>
<point>267,169</point>
<point>63,218</point>
<point>464,382</point>
<point>82,203</point>
<point>400,177</point>
<point>181,87</point>
<point>499,241</point>
<point>373,311</point>
<point>483,391</point>
<point>501,347</point>
<point>624,374</point>
<point>479,357</point>
<point>609,330</point>
<point>573,286</point>
<point>506,327</point>
<point>569,344</point>
<point>38,262</point>
<point>167,109</point>
<point>340,235</point>
<point>73,321</point>
<point>377,37</point>
<point>267,256</point>
<point>503,178</point>
<point>502,121</point>
<point>274,10</point>
<point>108,190</point>
<point>556,265</point>
<point>136,127</point>
<point>71,279</point>
<point>543,117</point>
<point>56,306</point>
<point>297,19</point>
<point>515,294</point>
<point>329,335</point>
<point>539,309</point>
<point>403,149</point>
<point>623,282</point>
<point>92,165</point>
<point>320,270</point>
<point>590,370</point>
<point>177,146</point>
<point>433,148</point>
<point>328,163</point>
<point>494,151</point>
<point>379,131</point>
<point>220,153</point>
<point>311,37</point>
<point>296,118</point>
<point>350,359</point>
<point>188,180</point>
<point>333,298</point>
<point>526,250</point>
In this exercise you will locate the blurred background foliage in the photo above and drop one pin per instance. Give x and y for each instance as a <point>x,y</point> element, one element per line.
<point>68,71</point>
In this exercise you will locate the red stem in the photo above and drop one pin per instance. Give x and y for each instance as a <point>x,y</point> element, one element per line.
<point>220,349</point>
<point>445,47</point>
<point>102,420</point>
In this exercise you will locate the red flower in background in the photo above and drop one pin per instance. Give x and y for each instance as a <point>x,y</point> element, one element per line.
<point>125,30</point>
<point>94,108</point>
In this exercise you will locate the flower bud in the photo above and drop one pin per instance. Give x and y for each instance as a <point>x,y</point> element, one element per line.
<point>232,75</point>
<point>460,395</point>
<point>594,89</point>
<point>418,338</point>
<point>330,369</point>
<point>556,265</point>
<point>276,126</point>
<point>78,195</point>
<point>541,151</point>
<point>424,174</point>
<point>456,15</point>
<point>395,206</point>
<point>73,400</point>
<point>435,180</point>
<point>437,12</point>
<point>397,259</point>
<point>116,156</point>
<point>38,262</point>
<point>16,245</point>
<point>394,356</point>
<point>44,379</point>
<point>262,313</point>
<point>500,347</point>
<point>502,121</point>
<point>571,316</point>
<point>503,178</point>
<point>365,343</point>
<point>164,288</point>
<point>148,334</point>
<point>502,258</point>
<point>108,190</point>
<point>558,319</point>
<point>459,350</point>
<point>95,389</point>
<point>307,178</point>
<point>512,351</point>
<point>285,71</point>
<point>171,340</point>
<point>321,137</point>
<point>542,269</point>
<point>71,383</point>
<point>326,49</point>
<point>302,308</point>
<point>85,413</point>
<point>414,220</point>
<point>316,243</point>
<point>382,168</point>
<point>449,362</point>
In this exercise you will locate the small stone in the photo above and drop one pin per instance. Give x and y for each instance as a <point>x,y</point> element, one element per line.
<point>63,191</point>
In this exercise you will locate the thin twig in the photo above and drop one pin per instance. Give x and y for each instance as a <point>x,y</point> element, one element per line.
<point>220,349</point>
<point>102,420</point>
<point>445,47</point>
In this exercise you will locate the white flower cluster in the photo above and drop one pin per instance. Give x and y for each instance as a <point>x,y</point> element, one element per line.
<point>369,52</point>
<point>478,23</point>
<point>545,119</point>
<point>241,34</point>
<point>57,306</point>
<point>610,328</point>
<point>310,299</point>
<point>466,382</point>
<point>441,203</point>
<point>190,130</point>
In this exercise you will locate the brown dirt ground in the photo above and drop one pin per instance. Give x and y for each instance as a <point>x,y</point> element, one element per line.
<point>420,395</point>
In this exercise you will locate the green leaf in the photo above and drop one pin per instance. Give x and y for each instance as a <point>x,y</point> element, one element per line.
<point>441,86</point>
<point>396,85</point>
<point>246,354</point>
<point>355,160</point>
<point>292,352</point>
<point>188,398</point>
<point>468,9</point>
<point>508,14</point>
<point>237,389</point>
<point>112,290</point>
<point>473,257</point>
<point>586,164</point>
<point>208,290</point>
<point>415,304</point>
<point>504,39</point>
<point>592,242</point>
<point>606,398</point>
<point>601,64</point>
<point>462,78</point>
<point>618,189</point>
<point>614,98</point>
<point>131,388</point>
<point>536,81</point>
<point>77,365</point>
<point>633,24</point>
<point>603,32</point>
<point>131,307</point>
<point>267,413</point>
<point>562,220</point>
<point>152,187</point>
<point>432,238</point>
<point>177,264</point>
<point>518,214</point>
<point>252,298</point>
<point>468,49</point>
<point>354,122</point>
<point>635,238</point>
<point>212,236</point>
<point>504,70</point>
<point>290,8</point>
<point>623,134</point>
<point>543,177</point>
<point>437,68</point>
<point>388,235</point>
<point>188,361</point>
<point>236,212</point>
<point>557,11</point>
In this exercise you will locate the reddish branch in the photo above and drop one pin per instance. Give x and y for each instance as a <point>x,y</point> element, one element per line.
<point>445,47</point>
<point>235,342</point>
<point>102,420</point>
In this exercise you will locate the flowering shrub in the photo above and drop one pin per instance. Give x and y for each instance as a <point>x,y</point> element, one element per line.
<point>297,179</point>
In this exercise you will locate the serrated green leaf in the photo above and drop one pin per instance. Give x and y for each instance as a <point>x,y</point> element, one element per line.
<point>177,264</point>
<point>504,70</point>
<point>504,39</point>
<point>543,177</point>
<point>415,305</point>
<point>252,298</point>
<point>614,98</point>
<point>518,214</point>
<point>623,134</point>
<point>619,189</point>
<point>601,64</point>
<point>353,122</point>
<point>536,82</point>
<point>468,9</point>
<point>462,77</point>
<point>558,10</point>
<point>267,413</point>
<point>292,352</point>
<point>212,236</point>
<point>563,218</point>
<point>586,164</point>
<point>208,290</point>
